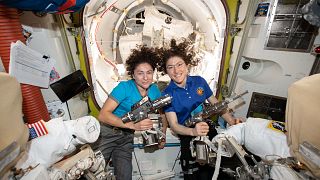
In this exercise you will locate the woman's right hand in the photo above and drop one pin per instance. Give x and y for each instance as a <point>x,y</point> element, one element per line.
<point>143,125</point>
<point>201,129</point>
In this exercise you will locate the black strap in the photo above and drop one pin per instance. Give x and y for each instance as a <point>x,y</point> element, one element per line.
<point>131,131</point>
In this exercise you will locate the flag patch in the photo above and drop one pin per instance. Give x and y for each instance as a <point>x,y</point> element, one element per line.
<point>37,129</point>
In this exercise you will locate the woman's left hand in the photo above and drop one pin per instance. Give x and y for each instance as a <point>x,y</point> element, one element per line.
<point>143,125</point>
<point>161,143</point>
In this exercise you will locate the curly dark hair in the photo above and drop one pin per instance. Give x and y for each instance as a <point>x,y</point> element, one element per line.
<point>142,55</point>
<point>182,50</point>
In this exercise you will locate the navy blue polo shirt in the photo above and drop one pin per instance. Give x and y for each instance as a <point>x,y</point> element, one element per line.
<point>187,100</point>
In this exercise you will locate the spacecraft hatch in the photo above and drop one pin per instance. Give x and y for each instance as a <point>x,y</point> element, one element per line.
<point>115,27</point>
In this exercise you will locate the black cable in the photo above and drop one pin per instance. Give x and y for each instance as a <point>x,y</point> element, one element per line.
<point>174,164</point>
<point>68,110</point>
<point>135,157</point>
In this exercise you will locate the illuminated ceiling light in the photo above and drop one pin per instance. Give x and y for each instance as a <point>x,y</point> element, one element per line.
<point>125,11</point>
<point>211,19</point>
<point>97,19</point>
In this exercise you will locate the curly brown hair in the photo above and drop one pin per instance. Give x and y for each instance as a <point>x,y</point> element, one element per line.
<point>182,50</point>
<point>142,55</point>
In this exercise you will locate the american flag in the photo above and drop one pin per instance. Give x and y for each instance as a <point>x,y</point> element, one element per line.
<point>37,129</point>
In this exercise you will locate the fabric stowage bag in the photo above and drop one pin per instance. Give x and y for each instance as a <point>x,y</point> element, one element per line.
<point>46,6</point>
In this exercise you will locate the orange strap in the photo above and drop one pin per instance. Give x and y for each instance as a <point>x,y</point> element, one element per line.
<point>67,5</point>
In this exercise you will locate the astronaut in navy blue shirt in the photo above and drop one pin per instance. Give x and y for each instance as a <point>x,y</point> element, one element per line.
<point>188,94</point>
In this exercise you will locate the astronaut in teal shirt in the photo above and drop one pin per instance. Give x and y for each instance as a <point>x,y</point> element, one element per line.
<point>116,138</point>
<point>130,96</point>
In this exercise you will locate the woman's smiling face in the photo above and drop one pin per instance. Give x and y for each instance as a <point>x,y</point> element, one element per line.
<point>177,70</point>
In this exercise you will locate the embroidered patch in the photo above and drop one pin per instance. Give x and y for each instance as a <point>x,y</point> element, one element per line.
<point>37,129</point>
<point>200,91</point>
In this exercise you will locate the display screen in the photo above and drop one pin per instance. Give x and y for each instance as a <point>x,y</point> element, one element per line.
<point>70,86</point>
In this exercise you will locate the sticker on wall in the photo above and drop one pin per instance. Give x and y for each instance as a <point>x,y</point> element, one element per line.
<point>1,66</point>
<point>27,35</point>
<point>54,75</point>
<point>277,126</point>
<point>262,9</point>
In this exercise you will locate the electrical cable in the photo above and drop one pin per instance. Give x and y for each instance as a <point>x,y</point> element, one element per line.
<point>135,157</point>
<point>174,164</point>
<point>99,12</point>
<point>68,110</point>
<point>103,89</point>
<point>218,161</point>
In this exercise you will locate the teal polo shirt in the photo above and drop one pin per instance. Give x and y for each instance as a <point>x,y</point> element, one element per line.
<point>188,100</point>
<point>127,94</point>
